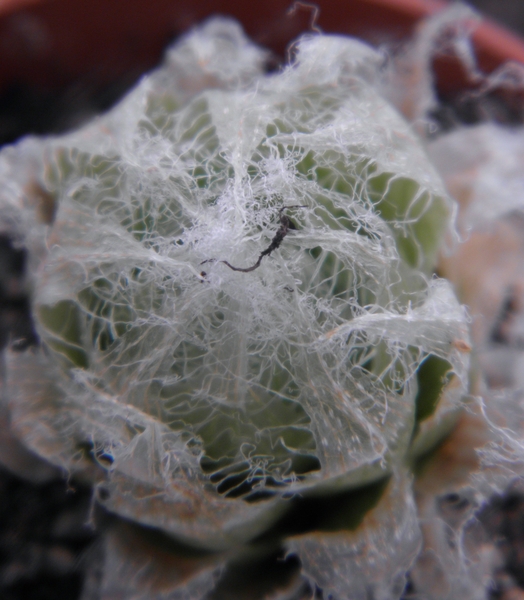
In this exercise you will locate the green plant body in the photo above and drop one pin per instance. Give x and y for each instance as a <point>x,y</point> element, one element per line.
<point>216,405</point>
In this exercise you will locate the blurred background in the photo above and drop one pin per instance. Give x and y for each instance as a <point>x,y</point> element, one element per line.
<point>509,13</point>
<point>63,61</point>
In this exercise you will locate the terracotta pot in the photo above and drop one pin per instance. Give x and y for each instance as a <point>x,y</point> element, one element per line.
<point>72,57</point>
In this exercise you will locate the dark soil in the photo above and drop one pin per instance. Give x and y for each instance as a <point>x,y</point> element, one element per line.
<point>44,534</point>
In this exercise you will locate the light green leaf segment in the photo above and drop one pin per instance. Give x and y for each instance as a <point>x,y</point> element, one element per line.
<point>203,394</point>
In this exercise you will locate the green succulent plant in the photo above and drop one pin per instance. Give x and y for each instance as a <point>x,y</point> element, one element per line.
<point>236,411</point>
